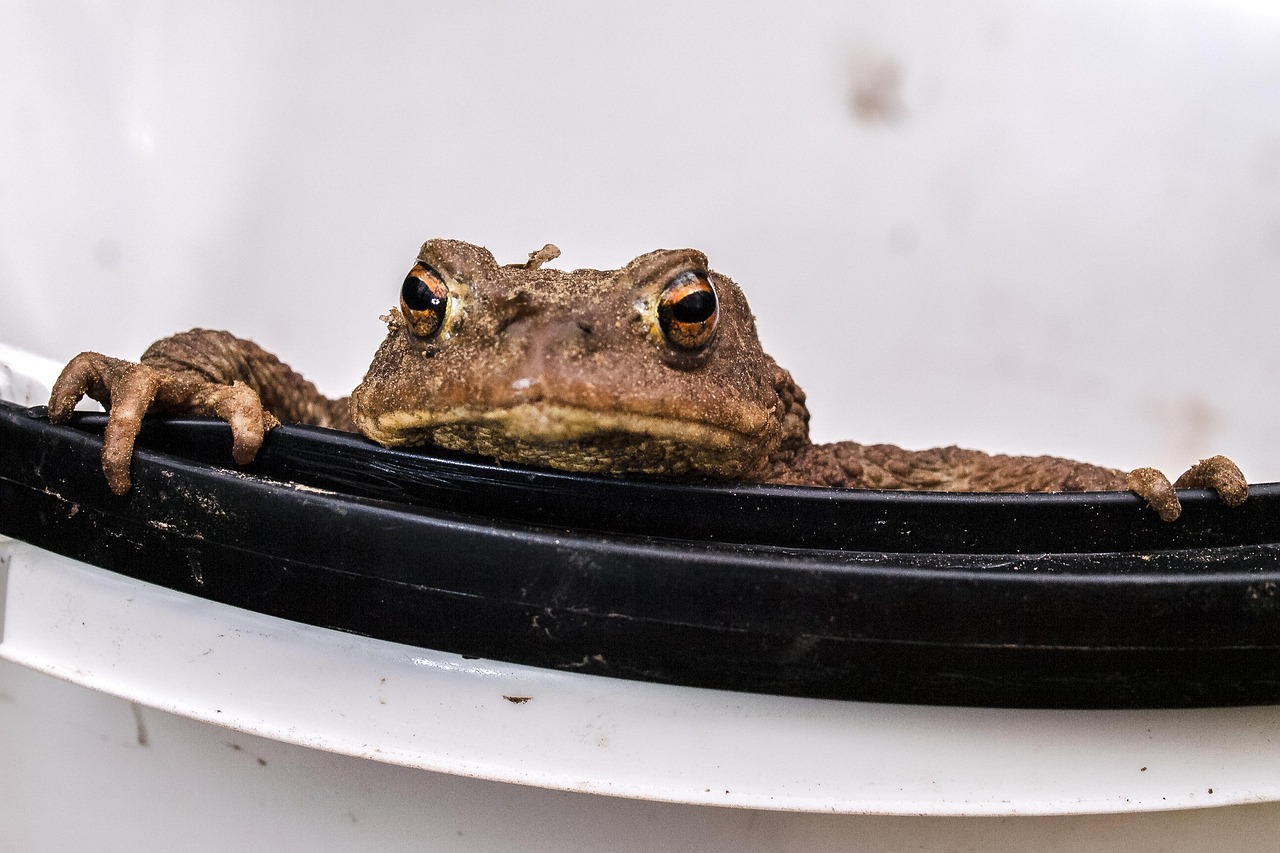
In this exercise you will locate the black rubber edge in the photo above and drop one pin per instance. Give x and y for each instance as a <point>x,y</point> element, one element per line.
<point>1068,601</point>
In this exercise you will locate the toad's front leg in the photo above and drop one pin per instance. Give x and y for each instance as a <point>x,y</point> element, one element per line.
<point>954,469</point>
<point>201,372</point>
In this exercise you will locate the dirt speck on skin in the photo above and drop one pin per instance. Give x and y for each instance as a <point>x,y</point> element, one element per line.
<point>517,700</point>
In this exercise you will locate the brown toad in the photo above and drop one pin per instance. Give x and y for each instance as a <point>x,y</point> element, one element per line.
<point>654,368</point>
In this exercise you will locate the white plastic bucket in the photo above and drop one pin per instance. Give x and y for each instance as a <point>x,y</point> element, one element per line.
<point>172,721</point>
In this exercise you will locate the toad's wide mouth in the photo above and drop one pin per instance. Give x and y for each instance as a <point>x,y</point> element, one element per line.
<point>573,438</point>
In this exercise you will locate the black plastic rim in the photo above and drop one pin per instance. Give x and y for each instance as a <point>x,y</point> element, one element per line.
<point>1070,601</point>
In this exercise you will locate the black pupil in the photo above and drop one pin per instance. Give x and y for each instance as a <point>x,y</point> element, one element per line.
<point>696,307</point>
<point>418,296</point>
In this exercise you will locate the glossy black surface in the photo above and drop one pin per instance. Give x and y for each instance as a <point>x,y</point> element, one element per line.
<point>1033,601</point>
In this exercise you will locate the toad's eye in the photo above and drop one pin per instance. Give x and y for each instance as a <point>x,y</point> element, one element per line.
<point>424,300</point>
<point>688,310</point>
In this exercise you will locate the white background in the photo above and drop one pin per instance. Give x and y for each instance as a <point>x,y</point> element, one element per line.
<point>1028,227</point>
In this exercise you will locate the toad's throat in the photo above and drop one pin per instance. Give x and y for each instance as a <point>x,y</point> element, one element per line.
<point>578,439</point>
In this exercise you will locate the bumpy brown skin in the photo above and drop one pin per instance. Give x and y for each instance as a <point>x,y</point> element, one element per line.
<point>570,369</point>
<point>953,469</point>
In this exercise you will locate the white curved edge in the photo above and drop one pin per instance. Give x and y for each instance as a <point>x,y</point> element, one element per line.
<point>479,718</point>
<point>25,378</point>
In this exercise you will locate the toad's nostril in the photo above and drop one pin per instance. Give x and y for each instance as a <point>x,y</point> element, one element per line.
<point>559,336</point>
<point>514,308</point>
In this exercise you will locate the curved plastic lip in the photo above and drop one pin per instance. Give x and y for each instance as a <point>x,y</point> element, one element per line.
<point>720,511</point>
<point>724,511</point>
<point>1067,601</point>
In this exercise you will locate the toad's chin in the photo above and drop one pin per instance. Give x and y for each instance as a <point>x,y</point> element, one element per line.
<point>577,439</point>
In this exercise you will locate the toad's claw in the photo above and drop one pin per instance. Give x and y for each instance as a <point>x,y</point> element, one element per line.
<point>1220,474</point>
<point>130,390</point>
<point>133,389</point>
<point>1217,472</point>
<point>84,374</point>
<point>1154,488</point>
<point>241,407</point>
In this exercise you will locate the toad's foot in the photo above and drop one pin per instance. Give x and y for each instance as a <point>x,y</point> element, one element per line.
<point>1217,472</point>
<point>129,390</point>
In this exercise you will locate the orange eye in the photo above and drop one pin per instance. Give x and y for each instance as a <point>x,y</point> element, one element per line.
<point>424,300</point>
<point>688,310</point>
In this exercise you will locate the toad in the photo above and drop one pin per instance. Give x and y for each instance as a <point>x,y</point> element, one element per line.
<point>654,368</point>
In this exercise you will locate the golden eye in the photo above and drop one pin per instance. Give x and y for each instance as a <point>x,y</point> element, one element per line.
<point>424,300</point>
<point>688,310</point>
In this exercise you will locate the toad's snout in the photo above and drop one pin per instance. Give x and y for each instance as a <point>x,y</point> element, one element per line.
<point>549,350</point>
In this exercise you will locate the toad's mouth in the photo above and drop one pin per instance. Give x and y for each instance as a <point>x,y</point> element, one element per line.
<point>573,438</point>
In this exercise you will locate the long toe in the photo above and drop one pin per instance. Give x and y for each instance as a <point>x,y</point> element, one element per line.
<point>1155,488</point>
<point>1220,474</point>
